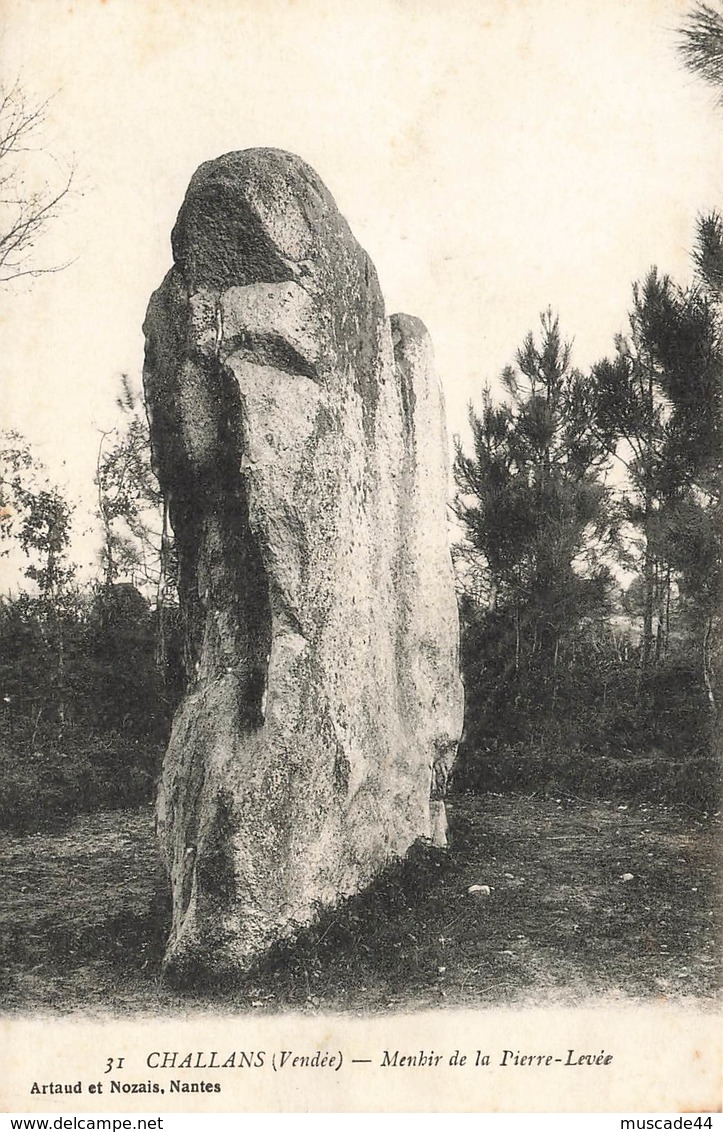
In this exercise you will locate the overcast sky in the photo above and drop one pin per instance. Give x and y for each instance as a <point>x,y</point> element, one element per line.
<point>494,157</point>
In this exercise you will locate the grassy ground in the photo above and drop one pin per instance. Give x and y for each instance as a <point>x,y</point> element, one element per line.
<point>84,912</point>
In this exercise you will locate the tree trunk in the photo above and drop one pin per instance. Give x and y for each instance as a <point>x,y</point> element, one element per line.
<point>161,637</point>
<point>109,564</point>
<point>56,630</point>
<point>667,612</point>
<point>554,671</point>
<point>162,602</point>
<point>707,677</point>
<point>648,594</point>
<point>494,589</point>
<point>649,560</point>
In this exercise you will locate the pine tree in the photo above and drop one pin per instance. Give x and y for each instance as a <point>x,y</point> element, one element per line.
<point>534,505</point>
<point>701,43</point>
<point>659,404</point>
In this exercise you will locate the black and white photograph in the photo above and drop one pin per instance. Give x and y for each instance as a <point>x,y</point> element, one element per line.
<point>360,555</point>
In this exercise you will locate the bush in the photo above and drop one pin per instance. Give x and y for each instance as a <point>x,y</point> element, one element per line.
<point>590,726</point>
<point>550,770</point>
<point>79,772</point>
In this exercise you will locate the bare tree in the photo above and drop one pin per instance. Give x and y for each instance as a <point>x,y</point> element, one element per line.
<point>33,184</point>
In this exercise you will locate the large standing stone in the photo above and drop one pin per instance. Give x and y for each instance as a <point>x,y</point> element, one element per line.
<point>299,438</point>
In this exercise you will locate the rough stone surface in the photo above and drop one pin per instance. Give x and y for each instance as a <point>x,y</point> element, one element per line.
<point>298,434</point>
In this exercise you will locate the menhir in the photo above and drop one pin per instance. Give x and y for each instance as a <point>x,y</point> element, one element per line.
<point>298,435</point>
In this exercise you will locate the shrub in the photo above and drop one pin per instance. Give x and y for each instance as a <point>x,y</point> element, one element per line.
<point>78,772</point>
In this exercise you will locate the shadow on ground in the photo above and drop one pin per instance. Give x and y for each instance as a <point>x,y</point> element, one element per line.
<point>585,900</point>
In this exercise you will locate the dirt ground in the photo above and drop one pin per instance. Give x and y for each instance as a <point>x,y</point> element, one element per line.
<point>585,900</point>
